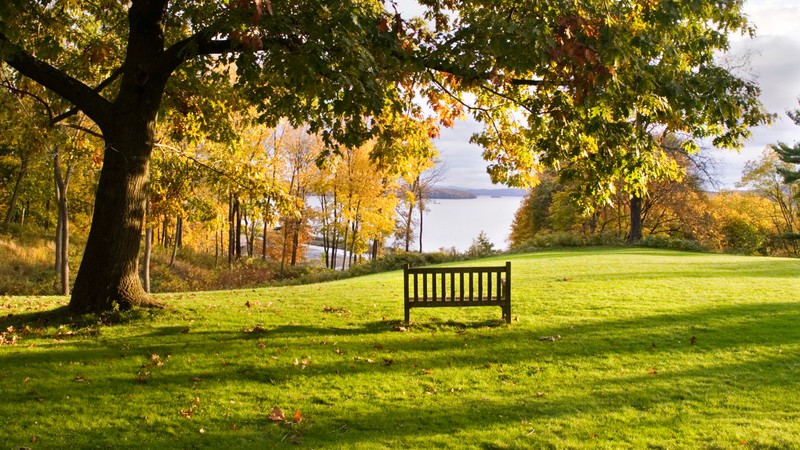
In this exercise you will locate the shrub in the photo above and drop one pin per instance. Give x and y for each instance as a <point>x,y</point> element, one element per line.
<point>481,246</point>
<point>671,243</point>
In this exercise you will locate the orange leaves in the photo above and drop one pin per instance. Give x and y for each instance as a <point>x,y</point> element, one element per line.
<point>575,57</point>
<point>8,337</point>
<point>251,39</point>
<point>153,361</point>
<point>339,311</point>
<point>302,363</point>
<point>255,329</point>
<point>277,415</point>
<point>193,407</point>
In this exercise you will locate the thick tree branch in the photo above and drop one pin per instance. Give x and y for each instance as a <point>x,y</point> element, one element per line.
<point>99,88</point>
<point>81,95</point>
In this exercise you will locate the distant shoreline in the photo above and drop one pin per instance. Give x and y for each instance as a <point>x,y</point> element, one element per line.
<point>455,193</point>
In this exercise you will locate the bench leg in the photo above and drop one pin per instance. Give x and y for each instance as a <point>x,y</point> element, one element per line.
<point>407,316</point>
<point>507,312</point>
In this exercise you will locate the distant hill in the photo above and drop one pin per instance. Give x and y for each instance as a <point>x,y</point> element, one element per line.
<point>502,192</point>
<point>451,193</point>
<point>458,193</point>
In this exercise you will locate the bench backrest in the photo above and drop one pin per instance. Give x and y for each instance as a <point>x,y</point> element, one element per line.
<point>457,284</point>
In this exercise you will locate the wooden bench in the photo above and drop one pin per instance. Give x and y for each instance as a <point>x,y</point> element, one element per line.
<point>433,287</point>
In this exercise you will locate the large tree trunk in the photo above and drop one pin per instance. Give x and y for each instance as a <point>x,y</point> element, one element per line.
<point>635,232</point>
<point>108,277</point>
<point>109,274</point>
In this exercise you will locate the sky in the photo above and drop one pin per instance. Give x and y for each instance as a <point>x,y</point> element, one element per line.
<point>774,63</point>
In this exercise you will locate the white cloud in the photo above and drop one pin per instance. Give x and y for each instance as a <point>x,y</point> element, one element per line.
<point>776,68</point>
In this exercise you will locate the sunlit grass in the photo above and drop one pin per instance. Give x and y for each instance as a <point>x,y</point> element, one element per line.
<point>657,350</point>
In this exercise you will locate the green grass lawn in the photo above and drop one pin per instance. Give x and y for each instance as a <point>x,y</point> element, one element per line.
<point>658,350</point>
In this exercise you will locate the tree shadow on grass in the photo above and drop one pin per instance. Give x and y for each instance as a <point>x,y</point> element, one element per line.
<point>474,349</point>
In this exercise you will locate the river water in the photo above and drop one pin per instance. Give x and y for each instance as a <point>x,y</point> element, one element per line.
<point>456,223</point>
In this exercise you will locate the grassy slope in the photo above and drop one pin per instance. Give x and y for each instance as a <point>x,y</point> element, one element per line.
<point>624,375</point>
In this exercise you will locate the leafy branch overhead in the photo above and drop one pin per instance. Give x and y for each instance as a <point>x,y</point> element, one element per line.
<point>583,87</point>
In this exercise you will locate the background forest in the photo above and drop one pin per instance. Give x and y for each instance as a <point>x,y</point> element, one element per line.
<point>218,215</point>
<point>759,217</point>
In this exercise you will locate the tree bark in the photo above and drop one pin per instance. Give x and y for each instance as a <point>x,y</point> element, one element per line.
<point>62,227</point>
<point>635,232</point>
<point>148,247</point>
<point>231,230</point>
<point>177,243</point>
<point>108,277</point>
<point>23,169</point>
<point>237,210</point>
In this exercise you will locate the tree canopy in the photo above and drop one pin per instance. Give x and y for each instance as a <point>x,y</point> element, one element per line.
<point>574,86</point>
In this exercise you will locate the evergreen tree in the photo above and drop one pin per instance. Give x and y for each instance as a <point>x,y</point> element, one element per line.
<point>789,153</point>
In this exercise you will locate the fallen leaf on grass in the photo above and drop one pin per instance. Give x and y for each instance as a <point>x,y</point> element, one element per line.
<point>427,372</point>
<point>276,415</point>
<point>202,430</point>
<point>297,416</point>
<point>141,376</point>
<point>234,427</point>
<point>652,371</point>
<point>302,363</point>
<point>388,362</point>
<point>247,303</point>
<point>188,413</point>
<point>550,338</point>
<point>330,309</point>
<point>693,340</point>
<point>80,379</point>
